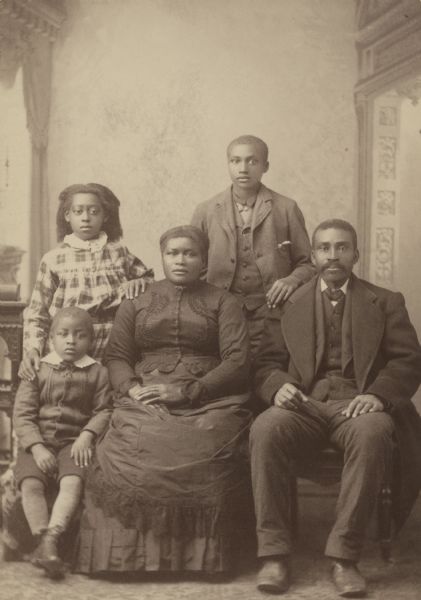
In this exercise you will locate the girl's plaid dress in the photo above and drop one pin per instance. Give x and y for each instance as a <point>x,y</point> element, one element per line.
<point>87,274</point>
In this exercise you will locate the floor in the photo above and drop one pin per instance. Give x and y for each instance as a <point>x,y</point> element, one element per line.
<point>398,580</point>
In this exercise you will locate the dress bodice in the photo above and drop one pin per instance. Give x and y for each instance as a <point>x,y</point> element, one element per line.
<point>199,327</point>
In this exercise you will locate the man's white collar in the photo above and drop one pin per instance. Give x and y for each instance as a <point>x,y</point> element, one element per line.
<point>324,286</point>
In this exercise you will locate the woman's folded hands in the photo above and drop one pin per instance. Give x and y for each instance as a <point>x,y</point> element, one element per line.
<point>159,393</point>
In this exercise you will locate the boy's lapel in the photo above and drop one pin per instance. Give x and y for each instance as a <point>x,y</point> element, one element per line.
<point>262,207</point>
<point>225,213</point>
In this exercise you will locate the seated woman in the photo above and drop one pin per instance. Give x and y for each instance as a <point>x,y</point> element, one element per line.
<point>171,469</point>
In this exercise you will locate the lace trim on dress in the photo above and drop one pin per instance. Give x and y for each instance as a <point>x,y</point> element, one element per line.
<point>178,517</point>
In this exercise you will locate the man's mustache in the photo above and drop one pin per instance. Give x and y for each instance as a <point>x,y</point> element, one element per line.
<point>330,265</point>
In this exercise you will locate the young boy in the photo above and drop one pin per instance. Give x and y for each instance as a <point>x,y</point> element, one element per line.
<point>57,417</point>
<point>259,247</point>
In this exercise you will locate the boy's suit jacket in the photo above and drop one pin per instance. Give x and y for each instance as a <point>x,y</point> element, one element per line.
<point>276,219</point>
<point>380,339</point>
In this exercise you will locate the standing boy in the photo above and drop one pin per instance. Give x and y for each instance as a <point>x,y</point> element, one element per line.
<point>57,417</point>
<point>258,244</point>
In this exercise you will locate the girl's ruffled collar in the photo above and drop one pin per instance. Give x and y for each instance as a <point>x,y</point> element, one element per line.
<point>94,245</point>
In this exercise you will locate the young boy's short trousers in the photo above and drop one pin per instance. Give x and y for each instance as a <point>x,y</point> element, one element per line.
<point>27,467</point>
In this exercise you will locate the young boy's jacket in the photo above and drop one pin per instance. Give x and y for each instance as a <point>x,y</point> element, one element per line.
<point>276,220</point>
<point>60,402</point>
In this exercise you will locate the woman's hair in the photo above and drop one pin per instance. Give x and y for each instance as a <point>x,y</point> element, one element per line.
<point>110,204</point>
<point>187,231</point>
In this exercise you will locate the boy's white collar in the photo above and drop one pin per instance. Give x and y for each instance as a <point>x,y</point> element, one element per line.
<point>96,244</point>
<point>54,359</point>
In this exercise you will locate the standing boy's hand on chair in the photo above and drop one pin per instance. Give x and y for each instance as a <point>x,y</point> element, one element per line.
<point>29,366</point>
<point>45,460</point>
<point>81,451</point>
<point>280,291</point>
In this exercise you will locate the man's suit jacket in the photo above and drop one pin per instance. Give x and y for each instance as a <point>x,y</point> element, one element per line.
<point>276,219</point>
<point>380,339</point>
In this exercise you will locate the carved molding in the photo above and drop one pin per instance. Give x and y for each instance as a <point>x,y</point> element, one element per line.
<point>21,22</point>
<point>411,90</point>
<point>391,52</point>
<point>41,16</point>
<point>8,389</point>
<point>390,78</point>
<point>386,203</point>
<point>384,255</point>
<point>376,8</point>
<point>10,259</point>
<point>388,42</point>
<point>14,43</point>
<point>364,110</point>
<point>387,156</point>
<point>376,18</point>
<point>388,116</point>
<point>387,35</point>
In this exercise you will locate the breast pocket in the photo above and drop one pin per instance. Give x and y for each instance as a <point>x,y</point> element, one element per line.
<point>283,259</point>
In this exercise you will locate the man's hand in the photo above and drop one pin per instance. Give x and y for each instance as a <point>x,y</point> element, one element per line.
<point>44,459</point>
<point>131,289</point>
<point>81,450</point>
<point>363,404</point>
<point>30,365</point>
<point>280,291</point>
<point>290,397</point>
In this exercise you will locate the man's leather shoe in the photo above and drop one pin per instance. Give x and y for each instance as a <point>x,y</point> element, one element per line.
<point>273,576</point>
<point>348,580</point>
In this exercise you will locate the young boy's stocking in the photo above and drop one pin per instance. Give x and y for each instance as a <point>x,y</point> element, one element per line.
<point>34,505</point>
<point>66,503</point>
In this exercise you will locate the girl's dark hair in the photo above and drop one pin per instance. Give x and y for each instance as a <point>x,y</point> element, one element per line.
<point>110,203</point>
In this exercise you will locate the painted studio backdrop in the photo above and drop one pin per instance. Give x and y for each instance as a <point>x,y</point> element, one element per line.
<point>144,95</point>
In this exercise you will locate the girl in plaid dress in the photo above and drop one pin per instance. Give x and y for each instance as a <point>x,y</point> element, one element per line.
<point>90,268</point>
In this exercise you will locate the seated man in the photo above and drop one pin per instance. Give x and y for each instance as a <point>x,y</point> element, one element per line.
<point>338,365</point>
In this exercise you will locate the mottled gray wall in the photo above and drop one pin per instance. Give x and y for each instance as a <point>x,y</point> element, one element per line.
<point>147,93</point>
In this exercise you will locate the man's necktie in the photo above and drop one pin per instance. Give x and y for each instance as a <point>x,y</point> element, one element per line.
<point>334,295</point>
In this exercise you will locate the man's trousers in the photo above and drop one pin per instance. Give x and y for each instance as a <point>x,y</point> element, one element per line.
<point>279,436</point>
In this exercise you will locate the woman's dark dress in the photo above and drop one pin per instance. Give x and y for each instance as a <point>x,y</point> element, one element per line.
<point>165,485</point>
